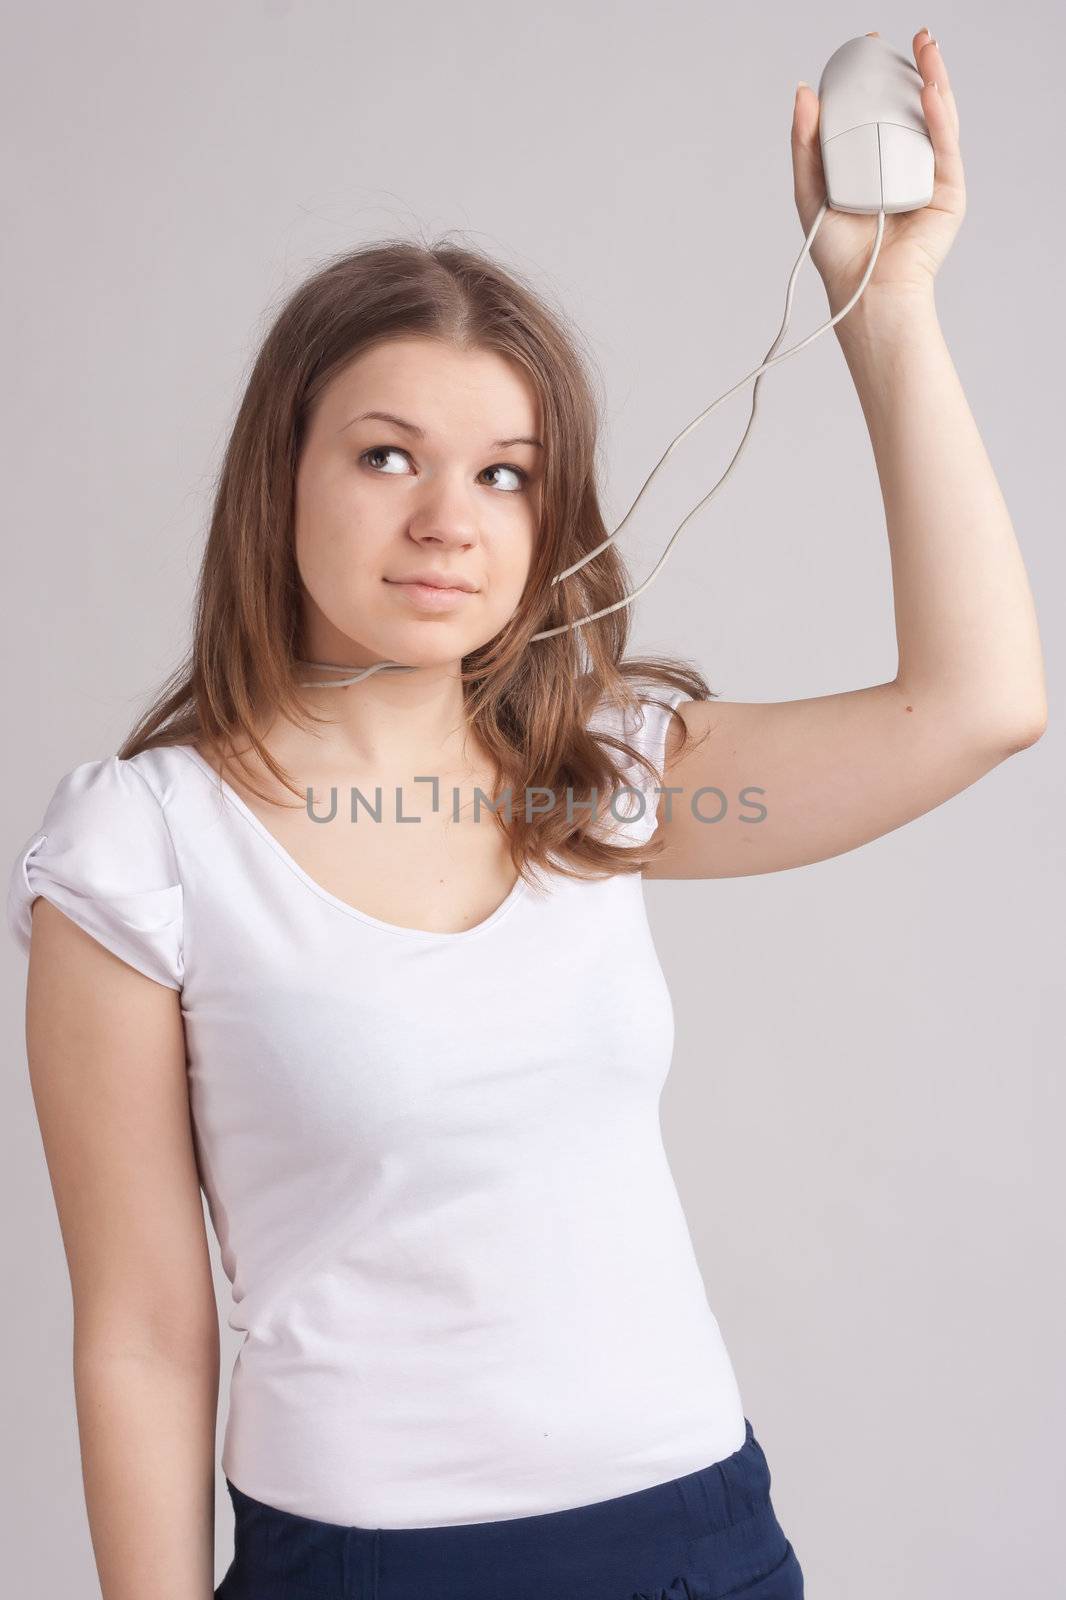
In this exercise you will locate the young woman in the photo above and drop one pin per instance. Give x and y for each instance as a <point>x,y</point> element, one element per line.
<point>414,1059</point>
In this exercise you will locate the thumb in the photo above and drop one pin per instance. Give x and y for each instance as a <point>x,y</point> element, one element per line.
<point>808,176</point>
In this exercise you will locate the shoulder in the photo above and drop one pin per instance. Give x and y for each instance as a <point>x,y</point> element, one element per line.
<point>649,728</point>
<point>102,852</point>
<point>111,801</point>
<point>644,725</point>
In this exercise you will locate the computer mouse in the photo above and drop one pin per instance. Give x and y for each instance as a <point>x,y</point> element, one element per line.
<point>876,150</point>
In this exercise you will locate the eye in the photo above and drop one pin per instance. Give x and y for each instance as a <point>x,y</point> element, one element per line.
<point>382,450</point>
<point>505,466</point>
<point>395,450</point>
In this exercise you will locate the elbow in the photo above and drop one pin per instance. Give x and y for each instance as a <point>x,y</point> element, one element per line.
<point>1025,733</point>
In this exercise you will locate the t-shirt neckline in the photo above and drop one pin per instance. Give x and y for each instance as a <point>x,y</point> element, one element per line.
<point>256,823</point>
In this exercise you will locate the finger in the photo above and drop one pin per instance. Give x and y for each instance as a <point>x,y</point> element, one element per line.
<point>808,175</point>
<point>930,62</point>
<point>946,156</point>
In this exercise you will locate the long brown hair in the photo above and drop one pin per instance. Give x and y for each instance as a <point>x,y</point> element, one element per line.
<point>528,704</point>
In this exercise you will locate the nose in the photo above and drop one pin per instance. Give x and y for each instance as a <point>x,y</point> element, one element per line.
<point>444,517</point>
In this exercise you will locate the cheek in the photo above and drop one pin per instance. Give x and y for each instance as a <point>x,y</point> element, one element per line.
<point>512,557</point>
<point>508,574</point>
<point>334,536</point>
<point>335,566</point>
<point>522,539</point>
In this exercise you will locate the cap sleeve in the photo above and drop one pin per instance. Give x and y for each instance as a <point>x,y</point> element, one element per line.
<point>646,729</point>
<point>103,854</point>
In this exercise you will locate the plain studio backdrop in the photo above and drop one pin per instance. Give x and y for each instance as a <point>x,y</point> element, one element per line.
<point>864,1114</point>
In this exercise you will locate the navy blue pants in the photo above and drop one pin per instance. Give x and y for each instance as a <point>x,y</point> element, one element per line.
<point>709,1534</point>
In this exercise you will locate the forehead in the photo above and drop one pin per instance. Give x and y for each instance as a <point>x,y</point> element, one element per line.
<point>445,390</point>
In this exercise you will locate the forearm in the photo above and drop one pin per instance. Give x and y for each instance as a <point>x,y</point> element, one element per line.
<point>965,620</point>
<point>147,1434</point>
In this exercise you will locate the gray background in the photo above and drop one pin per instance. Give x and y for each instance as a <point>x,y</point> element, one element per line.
<point>865,1111</point>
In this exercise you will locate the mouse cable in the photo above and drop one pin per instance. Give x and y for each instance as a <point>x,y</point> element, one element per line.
<point>769,360</point>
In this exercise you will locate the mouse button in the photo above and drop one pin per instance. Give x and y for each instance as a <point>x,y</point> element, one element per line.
<point>852,167</point>
<point>907,168</point>
<point>853,89</point>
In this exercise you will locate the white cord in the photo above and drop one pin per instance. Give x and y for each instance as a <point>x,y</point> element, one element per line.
<point>770,360</point>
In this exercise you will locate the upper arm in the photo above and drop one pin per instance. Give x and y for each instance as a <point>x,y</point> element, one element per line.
<point>106,1051</point>
<point>791,782</point>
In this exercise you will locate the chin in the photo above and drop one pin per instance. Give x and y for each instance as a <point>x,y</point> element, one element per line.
<point>422,653</point>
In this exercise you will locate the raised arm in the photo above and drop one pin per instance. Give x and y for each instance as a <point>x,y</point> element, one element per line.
<point>106,1052</point>
<point>836,771</point>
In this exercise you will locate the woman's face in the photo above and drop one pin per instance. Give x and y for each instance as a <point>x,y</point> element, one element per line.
<point>377,503</point>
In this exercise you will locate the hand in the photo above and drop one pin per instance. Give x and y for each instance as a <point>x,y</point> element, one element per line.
<point>914,242</point>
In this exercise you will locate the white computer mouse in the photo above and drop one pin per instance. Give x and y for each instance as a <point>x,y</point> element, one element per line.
<point>876,149</point>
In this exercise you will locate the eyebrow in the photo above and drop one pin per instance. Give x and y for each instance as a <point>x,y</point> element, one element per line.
<point>420,433</point>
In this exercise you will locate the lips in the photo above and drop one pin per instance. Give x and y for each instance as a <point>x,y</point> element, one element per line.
<point>429,598</point>
<point>431,580</point>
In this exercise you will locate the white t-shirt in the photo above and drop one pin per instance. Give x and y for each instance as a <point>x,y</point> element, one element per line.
<point>433,1161</point>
